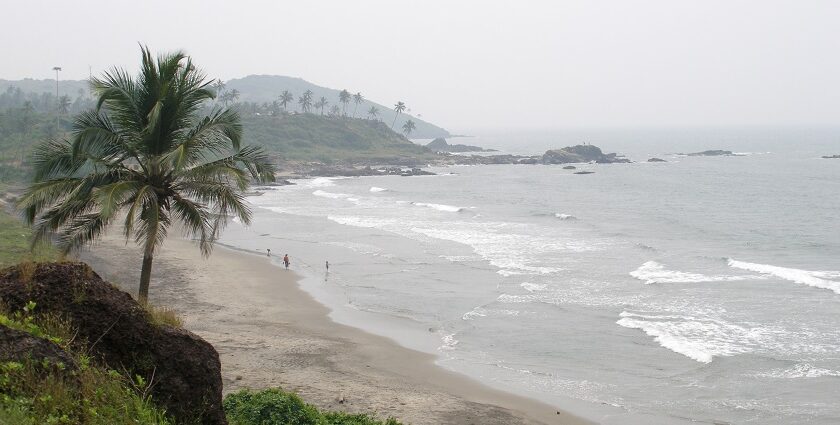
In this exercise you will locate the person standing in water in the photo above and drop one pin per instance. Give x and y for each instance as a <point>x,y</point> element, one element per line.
<point>328,266</point>
<point>268,252</point>
<point>286,260</point>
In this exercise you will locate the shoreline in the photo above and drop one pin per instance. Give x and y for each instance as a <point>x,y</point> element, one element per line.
<point>270,332</point>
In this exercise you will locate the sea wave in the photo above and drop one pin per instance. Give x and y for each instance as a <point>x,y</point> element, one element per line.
<point>484,312</point>
<point>439,207</point>
<point>653,272</point>
<point>700,339</point>
<point>800,370</point>
<point>378,189</point>
<point>804,277</point>
<point>321,182</point>
<point>565,216</point>
<point>532,287</point>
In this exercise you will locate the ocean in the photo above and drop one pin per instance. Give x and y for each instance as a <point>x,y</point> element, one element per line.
<point>698,290</point>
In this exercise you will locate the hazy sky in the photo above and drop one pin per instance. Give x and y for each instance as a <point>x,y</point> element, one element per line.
<point>477,64</point>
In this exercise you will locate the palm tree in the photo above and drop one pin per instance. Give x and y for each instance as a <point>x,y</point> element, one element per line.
<point>64,104</point>
<point>408,127</point>
<point>357,99</point>
<point>305,101</point>
<point>285,98</point>
<point>344,98</point>
<point>373,112</point>
<point>399,107</point>
<point>148,156</point>
<point>321,104</point>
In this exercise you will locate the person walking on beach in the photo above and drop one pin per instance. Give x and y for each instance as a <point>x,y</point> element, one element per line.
<point>328,265</point>
<point>286,261</point>
<point>268,252</point>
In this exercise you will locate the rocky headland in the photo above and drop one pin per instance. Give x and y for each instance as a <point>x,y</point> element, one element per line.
<point>440,145</point>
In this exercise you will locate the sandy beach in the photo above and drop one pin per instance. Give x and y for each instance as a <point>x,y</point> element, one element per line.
<point>269,332</point>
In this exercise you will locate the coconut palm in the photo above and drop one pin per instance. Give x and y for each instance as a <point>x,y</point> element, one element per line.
<point>399,107</point>
<point>357,99</point>
<point>219,86</point>
<point>64,104</point>
<point>285,98</point>
<point>305,101</point>
<point>408,127</point>
<point>373,112</point>
<point>321,104</point>
<point>145,156</point>
<point>344,98</point>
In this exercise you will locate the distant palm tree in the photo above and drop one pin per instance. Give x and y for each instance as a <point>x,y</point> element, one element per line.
<point>285,98</point>
<point>146,156</point>
<point>230,96</point>
<point>321,104</point>
<point>357,99</point>
<point>373,112</point>
<point>219,87</point>
<point>64,104</point>
<point>344,98</point>
<point>399,107</point>
<point>408,127</point>
<point>305,101</point>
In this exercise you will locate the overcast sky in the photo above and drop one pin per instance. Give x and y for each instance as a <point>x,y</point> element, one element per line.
<point>471,65</point>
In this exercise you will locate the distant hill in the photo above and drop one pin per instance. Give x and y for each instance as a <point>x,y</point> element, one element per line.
<point>311,137</point>
<point>267,88</point>
<point>253,88</point>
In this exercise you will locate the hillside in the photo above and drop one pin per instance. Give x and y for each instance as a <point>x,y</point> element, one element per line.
<point>267,88</point>
<point>311,137</point>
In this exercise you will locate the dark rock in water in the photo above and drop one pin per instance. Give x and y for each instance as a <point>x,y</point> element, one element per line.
<point>570,167</point>
<point>580,154</point>
<point>440,145</point>
<point>584,172</point>
<point>20,346</point>
<point>528,161</point>
<point>183,369</point>
<point>656,160</point>
<point>712,153</point>
<point>831,157</point>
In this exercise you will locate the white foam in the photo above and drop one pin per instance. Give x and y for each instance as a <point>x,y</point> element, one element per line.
<point>449,342</point>
<point>532,287</point>
<point>439,207</point>
<point>377,189</point>
<point>322,182</point>
<point>484,312</point>
<point>804,277</point>
<point>652,272</point>
<point>331,195</point>
<point>700,339</point>
<point>565,216</point>
<point>800,370</point>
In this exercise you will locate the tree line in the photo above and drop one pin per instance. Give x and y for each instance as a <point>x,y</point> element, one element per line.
<point>307,104</point>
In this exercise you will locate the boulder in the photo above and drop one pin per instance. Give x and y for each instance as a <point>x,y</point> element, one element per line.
<point>183,369</point>
<point>656,160</point>
<point>581,154</point>
<point>20,346</point>
<point>570,167</point>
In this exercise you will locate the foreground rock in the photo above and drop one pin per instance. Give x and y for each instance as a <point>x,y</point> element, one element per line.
<point>580,154</point>
<point>183,369</point>
<point>20,346</point>
<point>440,145</point>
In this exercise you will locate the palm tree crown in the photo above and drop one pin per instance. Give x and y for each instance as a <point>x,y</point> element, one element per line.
<point>285,98</point>
<point>408,127</point>
<point>357,99</point>
<point>344,98</point>
<point>305,101</point>
<point>373,112</point>
<point>321,104</point>
<point>147,157</point>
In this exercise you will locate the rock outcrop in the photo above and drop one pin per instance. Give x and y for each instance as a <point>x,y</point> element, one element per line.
<point>440,145</point>
<point>716,152</point>
<point>831,156</point>
<point>579,154</point>
<point>656,160</point>
<point>20,346</point>
<point>184,370</point>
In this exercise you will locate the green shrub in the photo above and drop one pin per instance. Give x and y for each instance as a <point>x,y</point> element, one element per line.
<point>277,407</point>
<point>269,407</point>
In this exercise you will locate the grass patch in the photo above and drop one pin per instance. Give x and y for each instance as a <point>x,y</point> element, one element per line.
<point>275,406</point>
<point>160,316</point>
<point>35,392</point>
<point>15,238</point>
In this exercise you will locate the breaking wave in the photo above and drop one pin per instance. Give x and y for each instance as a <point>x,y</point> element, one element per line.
<point>816,279</point>
<point>652,272</point>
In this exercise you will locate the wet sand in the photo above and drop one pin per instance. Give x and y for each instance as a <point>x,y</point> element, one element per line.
<point>269,332</point>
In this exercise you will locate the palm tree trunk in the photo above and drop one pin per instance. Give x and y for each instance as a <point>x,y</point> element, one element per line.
<point>145,277</point>
<point>395,120</point>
